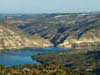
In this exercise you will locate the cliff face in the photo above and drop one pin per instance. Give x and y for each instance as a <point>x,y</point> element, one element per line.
<point>10,39</point>
<point>90,37</point>
<point>85,33</point>
<point>63,30</point>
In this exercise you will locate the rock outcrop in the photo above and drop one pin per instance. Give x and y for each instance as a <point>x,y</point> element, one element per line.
<point>84,34</point>
<point>10,39</point>
<point>91,37</point>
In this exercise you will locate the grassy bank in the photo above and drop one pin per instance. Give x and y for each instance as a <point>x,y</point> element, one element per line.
<point>86,61</point>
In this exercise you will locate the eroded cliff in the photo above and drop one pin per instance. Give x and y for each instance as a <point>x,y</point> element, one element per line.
<point>10,39</point>
<point>86,33</point>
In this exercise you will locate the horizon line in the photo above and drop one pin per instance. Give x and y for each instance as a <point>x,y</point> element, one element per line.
<point>56,12</point>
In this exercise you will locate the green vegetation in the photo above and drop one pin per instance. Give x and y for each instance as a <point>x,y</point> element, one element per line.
<point>47,69</point>
<point>82,61</point>
<point>72,62</point>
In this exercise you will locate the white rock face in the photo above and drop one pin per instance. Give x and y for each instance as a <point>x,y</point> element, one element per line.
<point>9,39</point>
<point>90,37</point>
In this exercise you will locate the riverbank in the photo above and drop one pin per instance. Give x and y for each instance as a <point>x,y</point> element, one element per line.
<point>22,68</point>
<point>70,62</point>
<point>60,62</point>
<point>24,56</point>
<point>77,59</point>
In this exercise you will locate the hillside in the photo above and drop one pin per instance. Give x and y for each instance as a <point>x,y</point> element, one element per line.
<point>11,38</point>
<point>51,27</point>
<point>86,32</point>
<point>63,30</point>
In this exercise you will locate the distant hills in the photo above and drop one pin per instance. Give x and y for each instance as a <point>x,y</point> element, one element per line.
<point>63,30</point>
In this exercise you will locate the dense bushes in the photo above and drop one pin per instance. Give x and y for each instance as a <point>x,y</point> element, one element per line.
<point>47,69</point>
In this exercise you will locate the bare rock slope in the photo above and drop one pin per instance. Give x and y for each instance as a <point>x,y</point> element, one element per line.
<point>86,32</point>
<point>10,39</point>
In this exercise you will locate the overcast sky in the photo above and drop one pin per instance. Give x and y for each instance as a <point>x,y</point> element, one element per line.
<point>48,6</point>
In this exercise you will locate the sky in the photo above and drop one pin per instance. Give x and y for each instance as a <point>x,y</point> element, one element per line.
<point>48,6</point>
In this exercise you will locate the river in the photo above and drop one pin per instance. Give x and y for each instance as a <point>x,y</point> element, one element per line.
<point>21,57</point>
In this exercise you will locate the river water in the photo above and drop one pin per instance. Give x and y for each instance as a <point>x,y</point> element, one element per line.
<point>21,57</point>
